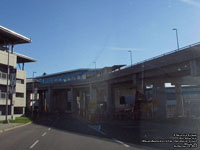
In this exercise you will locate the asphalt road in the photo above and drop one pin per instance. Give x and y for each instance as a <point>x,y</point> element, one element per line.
<point>135,132</point>
<point>61,133</point>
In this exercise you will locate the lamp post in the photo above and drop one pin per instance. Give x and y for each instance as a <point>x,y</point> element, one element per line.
<point>176,37</point>
<point>130,56</point>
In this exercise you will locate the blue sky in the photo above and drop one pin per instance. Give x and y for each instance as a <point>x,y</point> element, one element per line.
<point>71,34</point>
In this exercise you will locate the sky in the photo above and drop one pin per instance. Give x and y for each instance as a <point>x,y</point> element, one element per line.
<point>73,34</point>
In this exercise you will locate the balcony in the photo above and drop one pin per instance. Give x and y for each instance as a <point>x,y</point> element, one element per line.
<point>19,102</point>
<point>3,78</point>
<point>21,74</point>
<point>4,59</point>
<point>3,99</point>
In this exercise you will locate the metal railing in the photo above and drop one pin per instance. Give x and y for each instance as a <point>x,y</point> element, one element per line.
<point>3,75</point>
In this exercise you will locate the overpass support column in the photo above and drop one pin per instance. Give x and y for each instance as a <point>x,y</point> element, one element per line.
<point>195,67</point>
<point>93,99</point>
<point>74,100</point>
<point>159,95</point>
<point>48,99</point>
<point>179,101</point>
<point>110,100</point>
<point>82,103</point>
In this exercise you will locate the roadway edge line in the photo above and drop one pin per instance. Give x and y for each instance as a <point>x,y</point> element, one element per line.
<point>15,127</point>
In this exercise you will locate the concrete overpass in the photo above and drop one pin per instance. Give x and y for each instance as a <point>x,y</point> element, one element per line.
<point>106,85</point>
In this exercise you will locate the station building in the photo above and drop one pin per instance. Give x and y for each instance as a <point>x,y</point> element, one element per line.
<point>12,74</point>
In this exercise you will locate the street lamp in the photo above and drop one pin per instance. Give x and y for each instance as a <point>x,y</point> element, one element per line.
<point>130,56</point>
<point>176,37</point>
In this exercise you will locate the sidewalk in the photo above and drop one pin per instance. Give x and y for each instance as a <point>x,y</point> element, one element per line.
<point>4,127</point>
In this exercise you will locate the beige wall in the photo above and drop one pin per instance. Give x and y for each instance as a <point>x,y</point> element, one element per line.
<point>21,88</point>
<point>4,59</point>
<point>4,81</point>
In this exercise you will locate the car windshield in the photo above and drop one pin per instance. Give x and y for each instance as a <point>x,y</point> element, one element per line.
<point>100,74</point>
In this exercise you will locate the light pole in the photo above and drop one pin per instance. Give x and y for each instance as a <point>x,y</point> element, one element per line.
<point>176,37</point>
<point>130,56</point>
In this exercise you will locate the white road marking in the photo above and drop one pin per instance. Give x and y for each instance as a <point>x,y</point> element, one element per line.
<point>44,134</point>
<point>120,142</point>
<point>34,144</point>
<point>49,129</point>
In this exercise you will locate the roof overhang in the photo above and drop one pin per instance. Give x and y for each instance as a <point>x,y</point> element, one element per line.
<point>9,37</point>
<point>24,59</point>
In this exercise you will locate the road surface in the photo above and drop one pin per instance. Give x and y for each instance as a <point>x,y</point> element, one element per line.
<point>61,133</point>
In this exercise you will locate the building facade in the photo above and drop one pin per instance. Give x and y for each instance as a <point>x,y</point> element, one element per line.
<point>12,75</point>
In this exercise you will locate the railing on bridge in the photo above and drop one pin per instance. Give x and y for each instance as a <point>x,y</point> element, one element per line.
<point>167,53</point>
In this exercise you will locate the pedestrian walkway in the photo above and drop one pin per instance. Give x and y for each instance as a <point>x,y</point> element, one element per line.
<point>4,127</point>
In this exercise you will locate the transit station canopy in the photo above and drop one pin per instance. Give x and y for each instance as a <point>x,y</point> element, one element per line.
<point>24,59</point>
<point>9,37</point>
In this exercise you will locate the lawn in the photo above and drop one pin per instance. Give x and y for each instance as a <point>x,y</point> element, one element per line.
<point>21,120</point>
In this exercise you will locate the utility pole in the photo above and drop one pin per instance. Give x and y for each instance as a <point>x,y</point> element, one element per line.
<point>130,56</point>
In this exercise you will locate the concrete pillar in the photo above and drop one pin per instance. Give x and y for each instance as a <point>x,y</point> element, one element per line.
<point>23,110</point>
<point>49,99</point>
<point>195,67</point>
<point>160,96</point>
<point>74,100</point>
<point>93,99</point>
<point>179,101</point>
<point>12,112</point>
<point>110,100</point>
<point>81,102</point>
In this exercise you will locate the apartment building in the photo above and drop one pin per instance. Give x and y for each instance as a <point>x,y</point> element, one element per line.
<point>12,74</point>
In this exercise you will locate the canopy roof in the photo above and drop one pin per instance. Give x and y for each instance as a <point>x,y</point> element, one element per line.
<point>8,37</point>
<point>24,59</point>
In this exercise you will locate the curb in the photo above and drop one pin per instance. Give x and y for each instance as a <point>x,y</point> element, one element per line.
<point>15,127</point>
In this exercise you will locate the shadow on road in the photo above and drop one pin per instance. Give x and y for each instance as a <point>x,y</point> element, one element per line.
<point>131,133</point>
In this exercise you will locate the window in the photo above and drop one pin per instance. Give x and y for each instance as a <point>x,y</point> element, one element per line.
<point>21,95</point>
<point>122,100</point>
<point>20,81</point>
<point>18,110</point>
